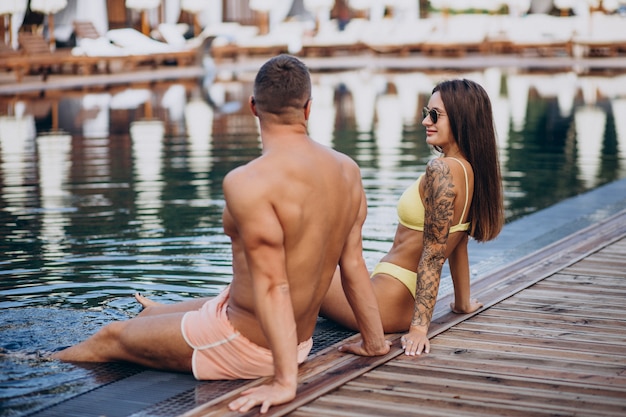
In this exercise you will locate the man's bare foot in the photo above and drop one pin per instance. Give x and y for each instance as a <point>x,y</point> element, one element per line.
<point>145,302</point>
<point>473,306</point>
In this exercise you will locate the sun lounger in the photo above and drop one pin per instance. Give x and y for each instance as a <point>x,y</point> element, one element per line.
<point>134,47</point>
<point>285,37</point>
<point>7,57</point>
<point>227,36</point>
<point>393,36</point>
<point>458,34</point>
<point>125,48</point>
<point>604,36</point>
<point>329,40</point>
<point>37,58</point>
<point>85,29</point>
<point>546,35</point>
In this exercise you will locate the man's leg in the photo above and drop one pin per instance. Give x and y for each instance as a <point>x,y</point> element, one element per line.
<point>152,341</point>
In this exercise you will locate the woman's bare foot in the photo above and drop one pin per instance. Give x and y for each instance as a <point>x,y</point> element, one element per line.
<point>145,302</point>
<point>473,306</point>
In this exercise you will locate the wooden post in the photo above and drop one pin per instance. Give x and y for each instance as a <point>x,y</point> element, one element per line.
<point>264,23</point>
<point>196,25</point>
<point>3,28</point>
<point>145,25</point>
<point>55,115</point>
<point>53,44</point>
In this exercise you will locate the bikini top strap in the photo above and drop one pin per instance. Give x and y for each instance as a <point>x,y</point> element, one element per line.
<point>466,188</point>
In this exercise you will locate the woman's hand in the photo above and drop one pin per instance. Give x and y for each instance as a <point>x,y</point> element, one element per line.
<point>415,342</point>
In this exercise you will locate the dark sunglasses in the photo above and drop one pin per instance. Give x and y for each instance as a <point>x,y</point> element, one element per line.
<point>433,113</point>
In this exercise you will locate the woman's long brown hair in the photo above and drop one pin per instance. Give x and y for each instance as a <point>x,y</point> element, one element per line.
<point>471,122</point>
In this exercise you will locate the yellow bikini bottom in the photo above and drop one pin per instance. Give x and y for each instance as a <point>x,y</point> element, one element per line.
<point>405,276</point>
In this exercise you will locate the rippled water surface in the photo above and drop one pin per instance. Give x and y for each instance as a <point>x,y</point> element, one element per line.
<point>107,193</point>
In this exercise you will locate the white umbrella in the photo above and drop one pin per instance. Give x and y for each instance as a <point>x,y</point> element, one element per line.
<point>320,9</point>
<point>361,4</point>
<point>263,7</point>
<point>518,7</point>
<point>319,4</point>
<point>11,8</point>
<point>143,6</point>
<point>194,7</point>
<point>610,5</point>
<point>564,4</point>
<point>49,7</point>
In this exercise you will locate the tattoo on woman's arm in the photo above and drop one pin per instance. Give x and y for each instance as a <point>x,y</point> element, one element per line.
<point>439,209</point>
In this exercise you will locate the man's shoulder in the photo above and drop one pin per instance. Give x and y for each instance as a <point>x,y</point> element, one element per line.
<point>250,176</point>
<point>343,159</point>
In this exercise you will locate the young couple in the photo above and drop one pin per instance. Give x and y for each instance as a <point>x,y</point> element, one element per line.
<point>301,198</point>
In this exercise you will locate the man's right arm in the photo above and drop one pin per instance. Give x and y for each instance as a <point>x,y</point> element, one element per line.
<point>360,293</point>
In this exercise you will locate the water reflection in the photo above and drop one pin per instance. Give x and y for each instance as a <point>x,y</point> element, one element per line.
<point>54,167</point>
<point>147,147</point>
<point>618,105</point>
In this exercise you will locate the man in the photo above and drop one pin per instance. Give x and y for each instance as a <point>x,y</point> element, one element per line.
<point>293,214</point>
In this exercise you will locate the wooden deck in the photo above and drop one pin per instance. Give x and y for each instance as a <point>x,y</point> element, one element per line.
<point>551,340</point>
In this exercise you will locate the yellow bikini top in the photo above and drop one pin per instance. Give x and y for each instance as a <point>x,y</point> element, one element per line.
<point>411,208</point>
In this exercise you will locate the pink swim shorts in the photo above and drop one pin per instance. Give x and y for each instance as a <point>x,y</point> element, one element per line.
<point>220,351</point>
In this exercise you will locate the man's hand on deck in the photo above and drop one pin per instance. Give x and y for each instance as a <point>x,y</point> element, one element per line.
<point>265,396</point>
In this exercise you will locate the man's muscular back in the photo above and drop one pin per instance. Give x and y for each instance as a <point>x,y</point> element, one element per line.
<point>304,197</point>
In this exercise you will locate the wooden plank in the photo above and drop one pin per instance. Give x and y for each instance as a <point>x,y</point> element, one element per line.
<point>579,350</point>
<point>593,298</point>
<point>541,318</point>
<point>607,381</point>
<point>484,388</point>
<point>561,329</point>
<point>562,308</point>
<point>374,401</point>
<point>567,278</point>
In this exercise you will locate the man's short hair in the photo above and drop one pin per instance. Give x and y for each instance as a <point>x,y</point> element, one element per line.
<point>282,84</point>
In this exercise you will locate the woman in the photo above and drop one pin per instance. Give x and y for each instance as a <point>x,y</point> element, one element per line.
<point>459,195</point>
